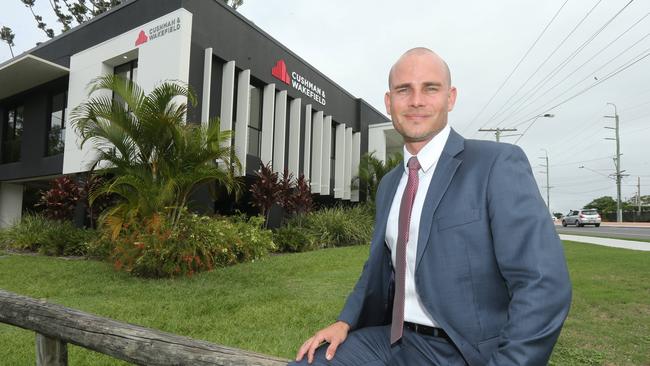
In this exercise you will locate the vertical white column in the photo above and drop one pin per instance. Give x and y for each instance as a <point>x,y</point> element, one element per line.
<point>294,137</point>
<point>280,131</point>
<point>347,185</point>
<point>268,108</point>
<point>327,148</point>
<point>243,115</point>
<point>317,152</point>
<point>227,96</point>
<point>307,151</point>
<point>207,77</point>
<point>339,161</point>
<point>356,159</point>
<point>377,142</point>
<point>11,203</point>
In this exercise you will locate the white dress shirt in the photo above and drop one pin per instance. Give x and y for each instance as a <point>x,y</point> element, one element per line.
<point>428,157</point>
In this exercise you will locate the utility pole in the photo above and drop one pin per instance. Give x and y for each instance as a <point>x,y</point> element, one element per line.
<point>497,131</point>
<point>619,212</point>
<point>548,181</point>
<point>638,193</point>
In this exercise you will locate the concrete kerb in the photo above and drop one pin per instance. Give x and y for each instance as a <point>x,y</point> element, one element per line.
<point>616,243</point>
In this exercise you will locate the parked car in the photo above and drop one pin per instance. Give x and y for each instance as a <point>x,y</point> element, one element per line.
<point>580,218</point>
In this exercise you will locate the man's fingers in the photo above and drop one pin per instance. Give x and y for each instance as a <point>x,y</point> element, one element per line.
<point>303,349</point>
<point>312,348</point>
<point>331,350</point>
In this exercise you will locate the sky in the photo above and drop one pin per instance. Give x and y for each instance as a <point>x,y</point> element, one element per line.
<point>513,61</point>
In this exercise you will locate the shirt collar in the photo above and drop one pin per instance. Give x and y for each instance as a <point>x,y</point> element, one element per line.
<point>430,153</point>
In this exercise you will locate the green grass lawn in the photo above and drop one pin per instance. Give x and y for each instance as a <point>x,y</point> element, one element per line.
<point>271,306</point>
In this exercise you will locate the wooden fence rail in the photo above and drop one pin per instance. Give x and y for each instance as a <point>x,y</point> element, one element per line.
<point>56,325</point>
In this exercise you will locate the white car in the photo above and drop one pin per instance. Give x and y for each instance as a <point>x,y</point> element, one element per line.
<point>580,218</point>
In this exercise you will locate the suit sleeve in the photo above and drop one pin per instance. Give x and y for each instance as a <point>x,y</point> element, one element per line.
<point>356,311</point>
<point>531,260</point>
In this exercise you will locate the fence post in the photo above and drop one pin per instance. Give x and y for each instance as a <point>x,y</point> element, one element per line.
<point>50,351</point>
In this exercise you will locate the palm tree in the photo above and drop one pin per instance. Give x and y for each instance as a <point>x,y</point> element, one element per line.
<point>371,170</point>
<point>153,159</point>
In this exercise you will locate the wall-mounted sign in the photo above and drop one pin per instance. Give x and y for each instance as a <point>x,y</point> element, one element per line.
<point>298,82</point>
<point>159,30</point>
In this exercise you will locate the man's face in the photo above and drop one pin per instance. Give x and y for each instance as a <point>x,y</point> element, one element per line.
<point>419,97</point>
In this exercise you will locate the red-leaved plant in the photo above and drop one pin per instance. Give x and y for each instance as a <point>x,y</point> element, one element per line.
<point>265,190</point>
<point>60,200</point>
<point>293,195</point>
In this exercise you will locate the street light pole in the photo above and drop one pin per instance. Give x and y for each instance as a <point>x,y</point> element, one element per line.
<point>619,212</point>
<point>498,131</point>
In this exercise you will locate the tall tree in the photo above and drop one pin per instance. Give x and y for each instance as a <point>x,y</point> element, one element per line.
<point>7,35</point>
<point>234,3</point>
<point>371,170</point>
<point>604,204</point>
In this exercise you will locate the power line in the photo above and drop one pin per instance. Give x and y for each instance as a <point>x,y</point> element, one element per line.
<point>641,57</point>
<point>544,62</point>
<point>583,91</point>
<point>580,127</point>
<point>580,192</point>
<point>581,80</point>
<point>562,64</point>
<point>518,64</point>
<point>581,162</point>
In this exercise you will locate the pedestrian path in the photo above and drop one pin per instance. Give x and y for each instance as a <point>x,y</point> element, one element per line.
<point>616,243</point>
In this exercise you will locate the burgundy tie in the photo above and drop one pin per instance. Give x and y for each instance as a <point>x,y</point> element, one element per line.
<point>405,208</point>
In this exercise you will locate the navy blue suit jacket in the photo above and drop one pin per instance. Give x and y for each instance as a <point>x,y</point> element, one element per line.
<point>490,266</point>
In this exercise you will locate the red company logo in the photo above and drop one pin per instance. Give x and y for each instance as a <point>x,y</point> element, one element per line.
<point>279,71</point>
<point>142,38</point>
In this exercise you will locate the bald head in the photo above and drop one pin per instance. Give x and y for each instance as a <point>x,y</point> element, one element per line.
<point>424,52</point>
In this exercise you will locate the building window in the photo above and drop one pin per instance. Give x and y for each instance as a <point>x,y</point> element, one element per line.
<point>127,71</point>
<point>56,128</point>
<point>13,131</point>
<point>255,122</point>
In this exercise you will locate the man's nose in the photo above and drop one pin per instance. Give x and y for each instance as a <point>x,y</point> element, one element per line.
<point>416,99</point>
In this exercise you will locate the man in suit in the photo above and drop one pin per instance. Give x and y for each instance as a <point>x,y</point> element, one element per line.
<point>465,267</point>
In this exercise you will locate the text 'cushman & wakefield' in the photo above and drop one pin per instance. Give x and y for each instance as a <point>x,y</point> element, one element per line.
<point>164,28</point>
<point>308,88</point>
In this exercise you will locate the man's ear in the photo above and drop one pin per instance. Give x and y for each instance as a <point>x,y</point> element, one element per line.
<point>451,99</point>
<point>387,102</point>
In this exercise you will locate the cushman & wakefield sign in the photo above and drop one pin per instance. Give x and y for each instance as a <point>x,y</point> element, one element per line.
<point>159,30</point>
<point>298,82</point>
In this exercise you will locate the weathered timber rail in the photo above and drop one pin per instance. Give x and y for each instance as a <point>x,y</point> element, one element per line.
<point>57,325</point>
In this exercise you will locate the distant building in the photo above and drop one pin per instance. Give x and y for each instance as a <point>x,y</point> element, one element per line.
<point>282,109</point>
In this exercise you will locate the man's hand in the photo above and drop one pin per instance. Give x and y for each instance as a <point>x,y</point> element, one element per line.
<point>335,334</point>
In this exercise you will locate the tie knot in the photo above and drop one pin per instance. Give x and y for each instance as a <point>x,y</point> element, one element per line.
<point>413,163</point>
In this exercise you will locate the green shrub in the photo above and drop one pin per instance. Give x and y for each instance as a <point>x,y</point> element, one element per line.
<point>197,243</point>
<point>49,237</point>
<point>331,227</point>
<point>291,239</point>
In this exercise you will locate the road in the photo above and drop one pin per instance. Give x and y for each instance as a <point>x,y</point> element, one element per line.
<point>637,233</point>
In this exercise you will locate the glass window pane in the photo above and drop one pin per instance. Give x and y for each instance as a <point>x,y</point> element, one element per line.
<point>255,108</point>
<point>11,121</point>
<point>13,132</point>
<point>254,142</point>
<point>19,122</point>
<point>56,130</point>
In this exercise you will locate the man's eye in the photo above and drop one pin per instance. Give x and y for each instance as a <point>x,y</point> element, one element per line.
<point>431,89</point>
<point>402,90</point>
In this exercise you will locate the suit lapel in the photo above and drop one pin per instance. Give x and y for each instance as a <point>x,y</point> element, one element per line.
<point>442,176</point>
